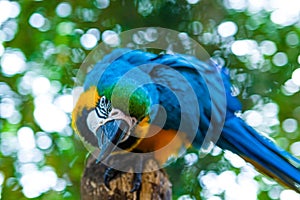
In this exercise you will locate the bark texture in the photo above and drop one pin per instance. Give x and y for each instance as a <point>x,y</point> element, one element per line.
<point>155,185</point>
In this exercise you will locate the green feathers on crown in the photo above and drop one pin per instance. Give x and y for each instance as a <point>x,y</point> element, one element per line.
<point>127,97</point>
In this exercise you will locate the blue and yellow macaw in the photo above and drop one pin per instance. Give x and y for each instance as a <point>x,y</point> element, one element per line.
<point>135,101</point>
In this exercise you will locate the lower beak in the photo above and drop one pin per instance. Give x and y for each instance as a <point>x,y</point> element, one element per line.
<point>109,136</point>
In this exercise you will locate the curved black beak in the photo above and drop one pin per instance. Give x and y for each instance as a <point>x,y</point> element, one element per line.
<point>109,136</point>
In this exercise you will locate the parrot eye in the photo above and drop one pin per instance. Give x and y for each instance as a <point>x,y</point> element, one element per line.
<point>103,107</point>
<point>102,101</point>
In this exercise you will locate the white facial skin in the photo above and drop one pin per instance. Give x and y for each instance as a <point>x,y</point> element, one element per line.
<point>94,122</point>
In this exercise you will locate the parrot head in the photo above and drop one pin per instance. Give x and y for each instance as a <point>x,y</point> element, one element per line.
<point>114,127</point>
<point>115,108</point>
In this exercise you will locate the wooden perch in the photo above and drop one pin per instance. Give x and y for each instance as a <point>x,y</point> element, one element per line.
<point>155,185</point>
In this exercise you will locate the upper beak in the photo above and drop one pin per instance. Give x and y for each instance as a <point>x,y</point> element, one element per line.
<point>109,136</point>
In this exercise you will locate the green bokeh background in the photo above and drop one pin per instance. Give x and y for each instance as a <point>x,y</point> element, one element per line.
<point>262,82</point>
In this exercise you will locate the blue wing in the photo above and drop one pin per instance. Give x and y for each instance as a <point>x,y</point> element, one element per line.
<point>236,135</point>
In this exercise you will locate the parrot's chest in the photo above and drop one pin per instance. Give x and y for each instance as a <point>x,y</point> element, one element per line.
<point>163,143</point>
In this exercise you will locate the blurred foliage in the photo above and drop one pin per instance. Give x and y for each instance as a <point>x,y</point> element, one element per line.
<point>42,46</point>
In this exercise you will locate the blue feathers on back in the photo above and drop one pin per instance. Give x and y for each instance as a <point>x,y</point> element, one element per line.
<point>182,85</point>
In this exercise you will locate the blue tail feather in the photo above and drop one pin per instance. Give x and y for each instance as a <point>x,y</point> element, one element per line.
<point>242,139</point>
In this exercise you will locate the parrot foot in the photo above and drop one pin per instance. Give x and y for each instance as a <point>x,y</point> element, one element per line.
<point>128,161</point>
<point>137,182</point>
<point>109,174</point>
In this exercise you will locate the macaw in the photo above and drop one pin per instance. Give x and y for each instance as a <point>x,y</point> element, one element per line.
<point>136,101</point>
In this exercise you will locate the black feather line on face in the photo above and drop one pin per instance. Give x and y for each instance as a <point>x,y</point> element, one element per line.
<point>127,144</point>
<point>103,107</point>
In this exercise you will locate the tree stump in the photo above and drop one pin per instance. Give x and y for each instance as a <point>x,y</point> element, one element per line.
<point>155,184</point>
